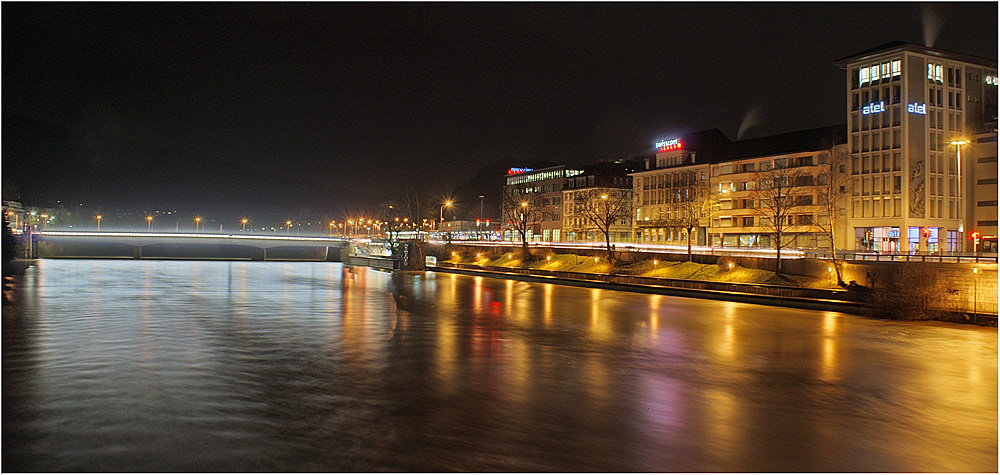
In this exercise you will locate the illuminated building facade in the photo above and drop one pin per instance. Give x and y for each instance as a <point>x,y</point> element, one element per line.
<point>542,191</point>
<point>668,181</point>
<point>909,110</point>
<point>601,186</point>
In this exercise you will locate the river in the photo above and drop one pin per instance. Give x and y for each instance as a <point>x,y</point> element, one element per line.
<point>122,365</point>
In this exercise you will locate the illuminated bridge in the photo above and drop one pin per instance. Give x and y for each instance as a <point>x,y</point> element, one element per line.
<point>155,245</point>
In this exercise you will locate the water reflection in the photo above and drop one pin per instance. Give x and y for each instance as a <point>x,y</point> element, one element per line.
<point>266,366</point>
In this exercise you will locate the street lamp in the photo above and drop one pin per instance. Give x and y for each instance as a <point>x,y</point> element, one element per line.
<point>480,220</point>
<point>288,228</point>
<point>244,225</point>
<point>961,188</point>
<point>98,222</point>
<point>149,223</point>
<point>443,205</point>
<point>197,223</point>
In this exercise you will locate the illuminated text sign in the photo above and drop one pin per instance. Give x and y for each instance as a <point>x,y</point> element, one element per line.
<point>672,144</point>
<point>873,108</point>
<point>917,108</point>
<point>515,171</point>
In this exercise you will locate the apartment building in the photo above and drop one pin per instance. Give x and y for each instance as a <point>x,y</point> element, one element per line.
<point>599,199</point>
<point>910,110</point>
<point>983,152</point>
<point>671,179</point>
<point>791,169</point>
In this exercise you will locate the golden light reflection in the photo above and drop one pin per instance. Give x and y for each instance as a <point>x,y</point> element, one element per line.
<point>599,327</point>
<point>547,304</point>
<point>722,422</point>
<point>477,294</point>
<point>726,347</point>
<point>519,365</point>
<point>828,363</point>
<point>508,303</point>
<point>654,314</point>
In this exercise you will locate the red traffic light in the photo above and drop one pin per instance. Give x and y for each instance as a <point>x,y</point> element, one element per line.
<point>927,232</point>
<point>975,235</point>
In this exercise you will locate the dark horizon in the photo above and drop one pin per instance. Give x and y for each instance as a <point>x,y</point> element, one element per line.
<point>277,109</point>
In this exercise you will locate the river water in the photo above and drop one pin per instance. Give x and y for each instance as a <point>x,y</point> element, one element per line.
<point>114,365</point>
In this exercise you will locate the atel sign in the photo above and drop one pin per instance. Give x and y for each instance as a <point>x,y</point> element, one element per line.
<point>917,108</point>
<point>666,145</point>
<point>873,108</point>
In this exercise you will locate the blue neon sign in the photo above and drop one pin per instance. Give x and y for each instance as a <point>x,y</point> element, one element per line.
<point>873,108</point>
<point>917,108</point>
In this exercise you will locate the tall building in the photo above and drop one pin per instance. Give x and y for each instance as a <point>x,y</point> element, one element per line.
<point>911,113</point>
<point>538,193</point>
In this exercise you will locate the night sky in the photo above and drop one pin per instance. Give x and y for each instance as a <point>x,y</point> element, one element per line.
<point>330,107</point>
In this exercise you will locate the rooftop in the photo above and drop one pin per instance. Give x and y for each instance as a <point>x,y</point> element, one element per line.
<point>903,46</point>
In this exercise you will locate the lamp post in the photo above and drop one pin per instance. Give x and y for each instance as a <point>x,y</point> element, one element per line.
<point>961,189</point>
<point>480,221</point>
<point>98,222</point>
<point>288,228</point>
<point>149,223</point>
<point>244,226</point>
<point>443,205</point>
<point>197,223</point>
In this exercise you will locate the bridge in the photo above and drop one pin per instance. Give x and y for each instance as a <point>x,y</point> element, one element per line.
<point>166,245</point>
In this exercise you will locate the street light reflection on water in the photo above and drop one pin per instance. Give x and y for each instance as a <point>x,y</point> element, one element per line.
<point>249,366</point>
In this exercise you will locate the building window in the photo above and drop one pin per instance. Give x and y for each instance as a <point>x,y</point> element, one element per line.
<point>986,203</point>
<point>864,75</point>
<point>874,72</point>
<point>897,67</point>
<point>986,181</point>
<point>885,71</point>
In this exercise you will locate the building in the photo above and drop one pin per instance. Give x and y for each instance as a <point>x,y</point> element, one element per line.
<point>983,151</point>
<point>538,195</point>
<point>801,161</point>
<point>599,199</point>
<point>670,180</point>
<point>910,110</point>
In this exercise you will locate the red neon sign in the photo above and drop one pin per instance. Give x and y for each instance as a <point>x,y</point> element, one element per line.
<point>515,171</point>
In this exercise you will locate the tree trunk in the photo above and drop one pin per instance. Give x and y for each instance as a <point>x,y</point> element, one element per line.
<point>690,255</point>
<point>607,242</point>
<point>777,255</point>
<point>524,247</point>
<point>833,258</point>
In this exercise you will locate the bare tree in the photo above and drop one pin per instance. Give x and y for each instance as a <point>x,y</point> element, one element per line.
<point>695,204</point>
<point>520,215</point>
<point>833,187</point>
<point>604,208</point>
<point>778,194</point>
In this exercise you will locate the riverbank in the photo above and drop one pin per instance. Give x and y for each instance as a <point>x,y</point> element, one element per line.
<point>723,271</point>
<point>763,294</point>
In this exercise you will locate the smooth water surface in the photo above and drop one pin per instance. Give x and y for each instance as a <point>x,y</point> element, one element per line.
<point>311,366</point>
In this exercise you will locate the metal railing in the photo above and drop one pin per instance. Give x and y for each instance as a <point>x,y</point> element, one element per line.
<point>879,257</point>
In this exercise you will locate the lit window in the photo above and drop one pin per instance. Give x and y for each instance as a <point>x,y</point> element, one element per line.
<point>897,67</point>
<point>885,70</point>
<point>937,72</point>
<point>864,75</point>
<point>874,73</point>
<point>930,71</point>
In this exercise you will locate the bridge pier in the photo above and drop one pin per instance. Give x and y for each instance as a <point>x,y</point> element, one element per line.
<point>258,255</point>
<point>137,252</point>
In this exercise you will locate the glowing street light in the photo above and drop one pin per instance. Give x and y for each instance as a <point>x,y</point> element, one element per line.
<point>447,204</point>
<point>98,222</point>
<point>197,223</point>
<point>288,228</point>
<point>149,223</point>
<point>244,225</point>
